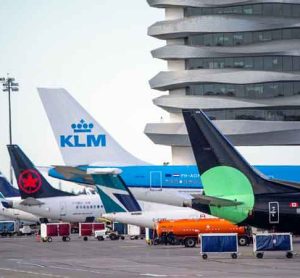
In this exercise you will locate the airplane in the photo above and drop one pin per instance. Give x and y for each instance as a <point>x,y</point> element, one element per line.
<point>121,206</point>
<point>85,144</point>
<point>8,194</point>
<point>233,189</point>
<point>40,198</point>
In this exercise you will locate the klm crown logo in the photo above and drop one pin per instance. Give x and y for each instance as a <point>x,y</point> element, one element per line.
<point>82,137</point>
<point>82,127</point>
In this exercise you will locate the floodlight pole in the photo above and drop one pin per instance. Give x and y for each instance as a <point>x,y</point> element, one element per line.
<point>9,86</point>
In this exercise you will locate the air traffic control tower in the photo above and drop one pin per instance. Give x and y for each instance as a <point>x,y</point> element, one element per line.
<point>238,60</point>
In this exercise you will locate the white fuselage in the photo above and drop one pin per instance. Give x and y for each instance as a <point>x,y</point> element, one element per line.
<point>16,214</point>
<point>147,219</point>
<point>69,208</point>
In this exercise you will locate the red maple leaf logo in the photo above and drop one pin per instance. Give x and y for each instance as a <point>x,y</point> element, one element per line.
<point>30,181</point>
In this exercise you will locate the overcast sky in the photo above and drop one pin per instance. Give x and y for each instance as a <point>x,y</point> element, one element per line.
<point>99,51</point>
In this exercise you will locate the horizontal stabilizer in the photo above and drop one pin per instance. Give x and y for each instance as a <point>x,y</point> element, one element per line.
<point>214,201</point>
<point>84,176</point>
<point>31,202</point>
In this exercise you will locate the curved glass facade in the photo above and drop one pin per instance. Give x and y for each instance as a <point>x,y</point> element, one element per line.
<point>251,91</point>
<point>263,114</point>
<point>263,9</point>
<point>242,38</point>
<point>266,63</point>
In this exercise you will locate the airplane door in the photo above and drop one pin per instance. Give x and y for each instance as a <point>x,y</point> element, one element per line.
<point>63,208</point>
<point>155,180</point>
<point>274,212</point>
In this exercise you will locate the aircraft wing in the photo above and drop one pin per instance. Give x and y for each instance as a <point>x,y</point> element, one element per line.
<point>84,176</point>
<point>214,201</point>
<point>31,202</point>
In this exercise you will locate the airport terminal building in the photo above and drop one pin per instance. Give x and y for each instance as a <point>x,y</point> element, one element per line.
<point>237,60</point>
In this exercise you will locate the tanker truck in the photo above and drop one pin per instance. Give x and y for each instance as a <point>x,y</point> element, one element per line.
<point>186,231</point>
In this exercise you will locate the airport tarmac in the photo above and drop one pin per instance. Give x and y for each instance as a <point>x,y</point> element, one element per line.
<point>25,257</point>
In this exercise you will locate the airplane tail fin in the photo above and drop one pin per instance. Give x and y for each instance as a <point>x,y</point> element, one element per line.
<point>7,189</point>
<point>217,158</point>
<point>4,202</point>
<point>114,194</point>
<point>80,138</point>
<point>30,181</point>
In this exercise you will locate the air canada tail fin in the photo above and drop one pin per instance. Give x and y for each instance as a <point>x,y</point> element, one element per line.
<point>219,162</point>
<point>7,189</point>
<point>30,181</point>
<point>114,194</point>
<point>80,138</point>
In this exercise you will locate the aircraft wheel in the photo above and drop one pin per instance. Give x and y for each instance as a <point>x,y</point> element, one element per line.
<point>289,255</point>
<point>122,237</point>
<point>68,238</point>
<point>204,256</point>
<point>259,255</point>
<point>85,238</point>
<point>100,238</point>
<point>64,238</point>
<point>49,239</point>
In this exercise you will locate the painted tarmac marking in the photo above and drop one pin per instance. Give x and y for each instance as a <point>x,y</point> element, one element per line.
<point>76,269</point>
<point>24,263</point>
<point>34,273</point>
<point>153,275</point>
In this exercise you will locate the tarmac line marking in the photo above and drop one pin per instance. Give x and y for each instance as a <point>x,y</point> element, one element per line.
<point>34,273</point>
<point>153,275</point>
<point>75,269</point>
<point>24,263</point>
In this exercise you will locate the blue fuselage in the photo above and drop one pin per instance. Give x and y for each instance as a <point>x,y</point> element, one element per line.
<point>180,177</point>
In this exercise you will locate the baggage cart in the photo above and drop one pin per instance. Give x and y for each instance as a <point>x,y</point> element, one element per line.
<point>268,242</point>
<point>219,243</point>
<point>50,230</point>
<point>134,231</point>
<point>88,229</point>
<point>8,228</point>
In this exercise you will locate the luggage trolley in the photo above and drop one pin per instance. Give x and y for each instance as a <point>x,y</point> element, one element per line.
<point>50,230</point>
<point>267,242</point>
<point>219,243</point>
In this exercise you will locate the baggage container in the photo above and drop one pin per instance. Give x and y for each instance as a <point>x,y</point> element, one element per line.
<point>267,242</point>
<point>88,229</point>
<point>50,230</point>
<point>8,228</point>
<point>218,243</point>
<point>120,228</point>
<point>134,231</point>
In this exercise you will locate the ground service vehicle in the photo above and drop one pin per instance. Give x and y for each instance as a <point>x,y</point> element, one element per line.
<point>186,231</point>
<point>88,229</point>
<point>8,228</point>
